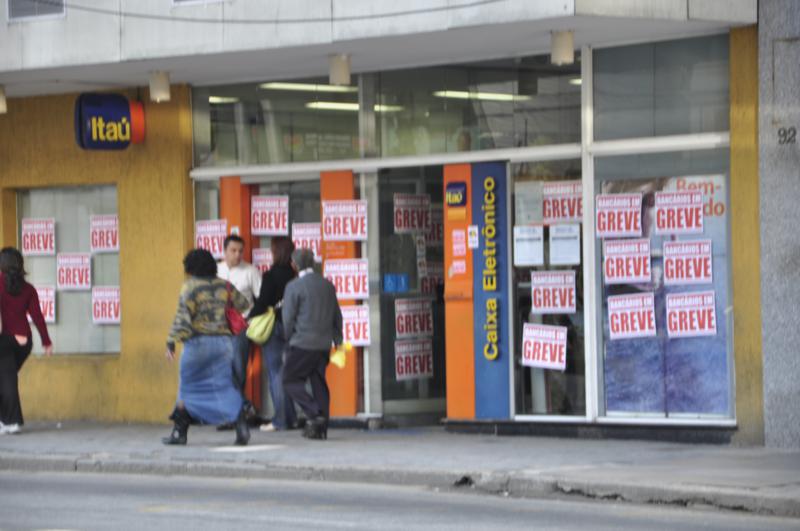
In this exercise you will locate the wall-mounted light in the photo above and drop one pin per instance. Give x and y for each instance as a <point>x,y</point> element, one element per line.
<point>159,86</point>
<point>3,105</point>
<point>339,72</point>
<point>352,107</point>
<point>575,81</point>
<point>562,47</point>
<point>485,96</point>
<point>221,100</point>
<point>306,87</point>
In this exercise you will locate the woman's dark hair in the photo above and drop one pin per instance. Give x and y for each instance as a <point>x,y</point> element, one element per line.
<point>13,268</point>
<point>200,263</point>
<point>282,248</point>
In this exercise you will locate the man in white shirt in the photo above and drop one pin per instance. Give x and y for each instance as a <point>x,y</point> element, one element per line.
<point>247,279</point>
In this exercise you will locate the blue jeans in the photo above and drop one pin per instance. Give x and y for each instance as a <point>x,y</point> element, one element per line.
<point>285,414</point>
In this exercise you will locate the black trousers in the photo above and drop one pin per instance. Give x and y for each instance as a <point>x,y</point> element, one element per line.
<point>12,357</point>
<point>302,365</point>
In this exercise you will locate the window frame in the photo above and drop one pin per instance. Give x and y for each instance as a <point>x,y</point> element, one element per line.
<point>35,18</point>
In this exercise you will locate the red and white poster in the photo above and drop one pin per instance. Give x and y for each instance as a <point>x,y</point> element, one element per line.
<point>413,359</point>
<point>413,318</point>
<point>210,235</point>
<point>355,325</point>
<point>104,233</point>
<point>619,216</point>
<point>269,215</point>
<point>688,263</point>
<point>38,236</point>
<point>350,277</point>
<point>105,305</point>
<point>626,261</point>
<point>433,278</point>
<point>691,314</point>
<point>632,316</point>
<point>344,220</point>
<point>552,292</point>
<point>47,303</point>
<point>435,234</point>
<point>679,212</point>
<point>562,202</point>
<point>412,213</point>
<point>262,259</point>
<point>73,271</point>
<point>544,346</point>
<point>308,236</point>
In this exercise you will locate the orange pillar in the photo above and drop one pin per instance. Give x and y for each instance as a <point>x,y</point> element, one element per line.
<point>343,383</point>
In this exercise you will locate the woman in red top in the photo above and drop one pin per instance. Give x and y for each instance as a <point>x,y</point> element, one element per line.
<point>18,299</point>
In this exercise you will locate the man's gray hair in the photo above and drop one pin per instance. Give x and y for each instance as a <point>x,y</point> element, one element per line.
<point>303,258</point>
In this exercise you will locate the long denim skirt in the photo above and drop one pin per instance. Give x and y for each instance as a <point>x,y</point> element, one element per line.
<point>206,380</point>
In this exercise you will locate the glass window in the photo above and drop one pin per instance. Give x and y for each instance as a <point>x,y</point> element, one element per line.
<point>547,198</point>
<point>73,331</point>
<point>206,200</point>
<point>663,88</point>
<point>662,376</point>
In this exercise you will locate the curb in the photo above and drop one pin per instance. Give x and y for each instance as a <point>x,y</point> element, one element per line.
<point>496,483</point>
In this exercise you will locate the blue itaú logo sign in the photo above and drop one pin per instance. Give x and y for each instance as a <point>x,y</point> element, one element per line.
<point>108,121</point>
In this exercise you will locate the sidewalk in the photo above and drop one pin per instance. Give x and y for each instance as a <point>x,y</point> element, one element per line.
<point>753,480</point>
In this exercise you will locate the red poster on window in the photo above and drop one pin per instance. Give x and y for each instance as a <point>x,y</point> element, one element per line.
<point>434,237</point>
<point>544,346</point>
<point>626,261</point>
<point>350,277</point>
<point>73,271</point>
<point>434,277</point>
<point>104,233</point>
<point>679,212</point>
<point>344,220</point>
<point>413,318</point>
<point>38,236</point>
<point>47,303</point>
<point>269,215</point>
<point>105,305</point>
<point>688,263</point>
<point>355,325</point>
<point>412,213</point>
<point>413,359</point>
<point>308,236</point>
<point>262,259</point>
<point>691,314</point>
<point>619,215</point>
<point>632,316</point>
<point>562,202</point>
<point>552,292</point>
<point>210,235</point>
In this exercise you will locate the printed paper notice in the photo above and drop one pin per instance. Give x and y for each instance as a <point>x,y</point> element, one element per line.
<point>631,316</point>
<point>349,277</point>
<point>619,216</point>
<point>691,314</point>
<point>626,261</point>
<point>679,212</point>
<point>355,325</point>
<point>552,292</point>
<point>565,244</point>
<point>562,202</point>
<point>73,271</point>
<point>412,213</point>
<point>308,236</point>
<point>434,236</point>
<point>262,259</point>
<point>38,236</point>
<point>104,234</point>
<point>105,305</point>
<point>528,245</point>
<point>413,318</point>
<point>433,278</point>
<point>269,215</point>
<point>210,235</point>
<point>688,263</point>
<point>413,359</point>
<point>344,220</point>
<point>47,303</point>
<point>544,346</point>
<point>459,242</point>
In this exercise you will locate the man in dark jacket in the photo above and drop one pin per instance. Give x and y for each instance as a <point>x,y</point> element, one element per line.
<point>312,323</point>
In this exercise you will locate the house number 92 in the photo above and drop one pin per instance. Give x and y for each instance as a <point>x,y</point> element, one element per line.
<point>787,135</point>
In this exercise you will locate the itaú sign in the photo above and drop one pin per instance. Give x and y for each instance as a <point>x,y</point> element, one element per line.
<point>108,121</point>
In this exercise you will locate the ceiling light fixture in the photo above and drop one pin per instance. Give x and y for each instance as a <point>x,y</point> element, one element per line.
<point>306,87</point>
<point>575,81</point>
<point>485,96</point>
<point>352,107</point>
<point>562,47</point>
<point>339,69</point>
<point>220,100</point>
<point>159,86</point>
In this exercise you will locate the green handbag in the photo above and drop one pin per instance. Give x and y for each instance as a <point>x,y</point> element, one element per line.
<point>260,328</point>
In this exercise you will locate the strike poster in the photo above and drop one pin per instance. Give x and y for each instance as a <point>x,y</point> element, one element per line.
<point>544,346</point>
<point>38,236</point>
<point>105,305</point>
<point>210,235</point>
<point>47,303</point>
<point>631,316</point>
<point>412,213</point>
<point>434,277</point>
<point>350,277</point>
<point>104,234</point>
<point>269,215</point>
<point>434,236</point>
<point>344,220</point>
<point>308,236</point>
<point>691,314</point>
<point>552,292</point>
<point>262,259</point>
<point>73,271</point>
<point>413,359</point>
<point>688,263</point>
<point>355,325</point>
<point>626,261</point>
<point>679,212</point>
<point>413,318</point>
<point>562,202</point>
<point>619,216</point>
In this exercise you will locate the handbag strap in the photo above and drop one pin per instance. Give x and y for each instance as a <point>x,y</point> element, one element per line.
<point>229,288</point>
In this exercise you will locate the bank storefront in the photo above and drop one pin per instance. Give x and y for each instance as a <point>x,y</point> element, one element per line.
<point>511,240</point>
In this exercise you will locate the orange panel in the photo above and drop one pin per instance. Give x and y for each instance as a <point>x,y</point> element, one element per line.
<point>343,383</point>
<point>459,320</point>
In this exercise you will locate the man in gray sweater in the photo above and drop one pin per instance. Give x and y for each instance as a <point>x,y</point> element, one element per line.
<point>312,323</point>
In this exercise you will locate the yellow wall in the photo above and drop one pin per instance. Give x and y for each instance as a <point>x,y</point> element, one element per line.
<point>37,148</point>
<point>745,241</point>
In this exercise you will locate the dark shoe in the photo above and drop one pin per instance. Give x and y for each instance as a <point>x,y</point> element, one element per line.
<point>180,427</point>
<point>242,429</point>
<point>225,427</point>
<point>316,428</point>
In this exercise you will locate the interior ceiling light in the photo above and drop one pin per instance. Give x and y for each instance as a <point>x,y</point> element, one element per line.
<point>562,47</point>
<point>575,81</point>
<point>306,87</point>
<point>486,96</point>
<point>339,69</point>
<point>218,100</point>
<point>159,86</point>
<point>3,105</point>
<point>353,107</point>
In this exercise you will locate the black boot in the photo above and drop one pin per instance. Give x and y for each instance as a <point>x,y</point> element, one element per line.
<point>316,428</point>
<point>182,420</point>
<point>242,429</point>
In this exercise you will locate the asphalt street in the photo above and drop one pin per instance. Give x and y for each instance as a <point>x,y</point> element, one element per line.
<point>76,501</point>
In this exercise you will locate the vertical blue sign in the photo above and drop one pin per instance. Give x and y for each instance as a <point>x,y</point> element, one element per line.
<point>491,291</point>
